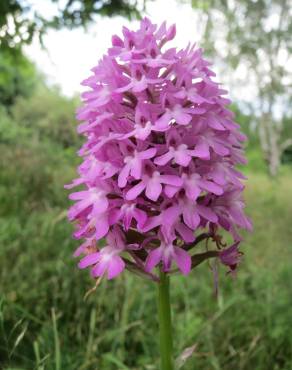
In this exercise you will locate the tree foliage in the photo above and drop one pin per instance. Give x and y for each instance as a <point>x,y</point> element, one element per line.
<point>46,116</point>
<point>20,20</point>
<point>17,76</point>
<point>255,39</point>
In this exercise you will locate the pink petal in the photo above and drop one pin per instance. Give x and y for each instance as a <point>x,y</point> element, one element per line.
<point>215,123</point>
<point>99,269</point>
<point>82,231</point>
<point>78,208</point>
<point>136,170</point>
<point>220,149</point>
<point>182,158</point>
<point>191,217</point>
<point>151,223</point>
<point>153,258</point>
<point>180,94</point>
<point>140,86</point>
<point>195,98</point>
<point>123,176</point>
<point>238,216</point>
<point>183,260</point>
<point>81,249</point>
<point>153,189</point>
<point>211,187</point>
<point>117,41</point>
<point>102,227</point>
<point>99,206</point>
<point>163,159</point>
<point>163,122</point>
<point>147,154</point>
<point>115,215</point>
<point>171,214</point>
<point>185,232</point>
<point>140,216</point>
<point>127,220</point>
<point>171,180</point>
<point>90,259</point>
<point>202,150</point>
<point>219,176</point>
<point>207,213</point>
<point>124,88</point>
<point>79,195</point>
<point>74,183</point>
<point>171,32</point>
<point>192,190</point>
<point>170,191</point>
<point>115,267</point>
<point>197,110</point>
<point>182,118</point>
<point>135,191</point>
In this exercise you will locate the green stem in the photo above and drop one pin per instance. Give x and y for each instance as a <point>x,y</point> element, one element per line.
<point>165,331</point>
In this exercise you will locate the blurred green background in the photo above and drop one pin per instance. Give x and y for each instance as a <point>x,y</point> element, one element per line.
<point>45,323</point>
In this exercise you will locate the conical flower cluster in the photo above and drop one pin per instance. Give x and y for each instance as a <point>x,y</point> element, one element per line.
<point>158,162</point>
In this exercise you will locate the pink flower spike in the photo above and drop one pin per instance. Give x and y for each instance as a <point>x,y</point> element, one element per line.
<point>158,160</point>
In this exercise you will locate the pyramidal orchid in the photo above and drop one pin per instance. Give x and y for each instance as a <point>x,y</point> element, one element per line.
<point>158,171</point>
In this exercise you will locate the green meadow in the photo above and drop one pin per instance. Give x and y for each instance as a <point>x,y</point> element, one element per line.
<point>47,323</point>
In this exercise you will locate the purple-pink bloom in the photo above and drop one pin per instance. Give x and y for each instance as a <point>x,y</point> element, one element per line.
<point>108,259</point>
<point>158,161</point>
<point>133,165</point>
<point>231,256</point>
<point>167,252</point>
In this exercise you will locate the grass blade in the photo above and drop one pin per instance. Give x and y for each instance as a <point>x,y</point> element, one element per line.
<point>56,341</point>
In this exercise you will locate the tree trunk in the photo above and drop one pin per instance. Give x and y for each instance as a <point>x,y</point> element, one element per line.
<point>269,135</point>
<point>275,157</point>
<point>275,152</point>
<point>263,136</point>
